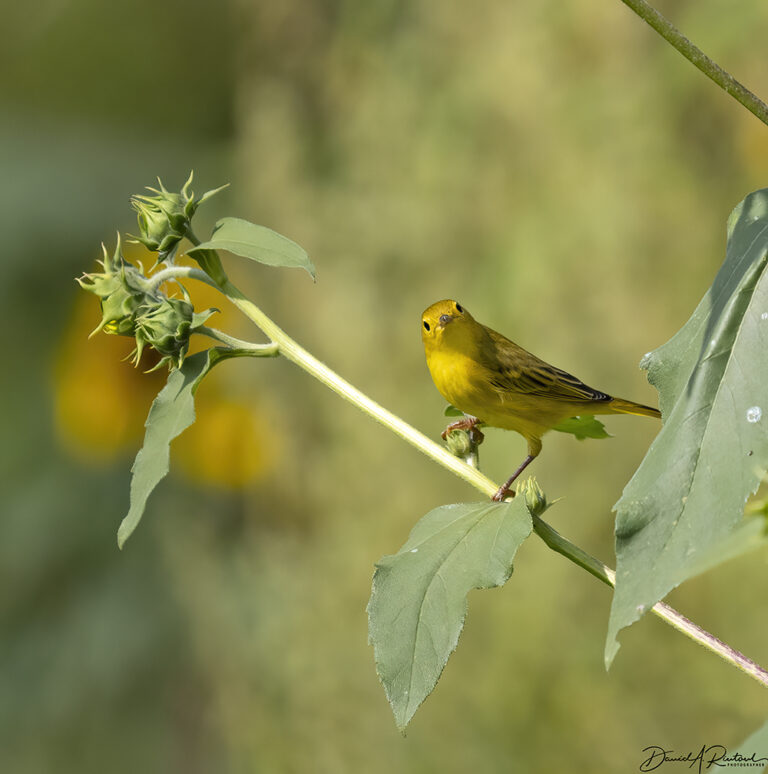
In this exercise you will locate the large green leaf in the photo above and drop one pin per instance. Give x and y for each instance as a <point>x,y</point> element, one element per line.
<point>172,412</point>
<point>712,452</point>
<point>258,243</point>
<point>418,601</point>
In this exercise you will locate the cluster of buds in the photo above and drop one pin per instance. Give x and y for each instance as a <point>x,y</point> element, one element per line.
<point>133,305</point>
<point>164,219</point>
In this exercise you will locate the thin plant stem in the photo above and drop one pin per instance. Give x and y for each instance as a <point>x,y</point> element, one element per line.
<point>697,57</point>
<point>263,350</point>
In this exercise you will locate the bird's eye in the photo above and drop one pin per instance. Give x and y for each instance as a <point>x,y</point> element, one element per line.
<point>459,309</point>
<point>426,325</point>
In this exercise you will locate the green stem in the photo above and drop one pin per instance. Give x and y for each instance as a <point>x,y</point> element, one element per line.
<point>177,272</point>
<point>259,350</point>
<point>578,556</point>
<point>668,614</point>
<point>697,57</point>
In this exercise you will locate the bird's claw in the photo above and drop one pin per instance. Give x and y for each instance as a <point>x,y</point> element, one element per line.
<point>502,494</point>
<point>466,423</point>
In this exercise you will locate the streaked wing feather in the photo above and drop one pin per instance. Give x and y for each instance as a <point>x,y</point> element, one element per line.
<point>516,370</point>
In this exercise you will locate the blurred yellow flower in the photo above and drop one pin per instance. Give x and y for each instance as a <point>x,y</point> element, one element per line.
<point>231,443</point>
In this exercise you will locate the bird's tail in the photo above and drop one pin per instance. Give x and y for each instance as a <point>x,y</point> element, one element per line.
<point>620,406</point>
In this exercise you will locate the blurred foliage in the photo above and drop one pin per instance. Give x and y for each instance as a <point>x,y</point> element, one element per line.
<point>553,164</point>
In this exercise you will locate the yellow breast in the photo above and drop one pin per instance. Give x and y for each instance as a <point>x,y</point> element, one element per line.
<point>460,381</point>
<point>466,384</point>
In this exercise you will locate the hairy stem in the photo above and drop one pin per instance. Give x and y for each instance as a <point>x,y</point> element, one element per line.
<point>697,57</point>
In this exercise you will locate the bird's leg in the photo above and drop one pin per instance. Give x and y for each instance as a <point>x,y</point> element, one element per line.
<point>466,423</point>
<point>504,490</point>
<point>534,447</point>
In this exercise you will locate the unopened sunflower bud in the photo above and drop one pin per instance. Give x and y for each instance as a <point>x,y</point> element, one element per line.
<point>164,219</point>
<point>121,289</point>
<point>459,443</point>
<point>166,325</point>
<point>535,498</point>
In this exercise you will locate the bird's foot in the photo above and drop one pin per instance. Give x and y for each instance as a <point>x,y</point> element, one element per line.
<point>502,494</point>
<point>466,423</point>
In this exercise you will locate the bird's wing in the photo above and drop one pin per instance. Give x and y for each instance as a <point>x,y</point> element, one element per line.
<point>513,369</point>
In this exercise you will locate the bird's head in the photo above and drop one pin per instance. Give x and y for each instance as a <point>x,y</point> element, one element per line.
<point>448,324</point>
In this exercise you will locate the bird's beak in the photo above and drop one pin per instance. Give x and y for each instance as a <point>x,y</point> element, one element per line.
<point>445,319</point>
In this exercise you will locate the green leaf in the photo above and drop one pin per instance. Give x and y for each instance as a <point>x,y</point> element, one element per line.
<point>749,535</point>
<point>583,427</point>
<point>418,601</point>
<point>712,452</point>
<point>752,750</point>
<point>171,413</point>
<point>258,243</point>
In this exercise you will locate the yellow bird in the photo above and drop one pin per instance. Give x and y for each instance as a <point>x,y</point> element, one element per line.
<point>497,383</point>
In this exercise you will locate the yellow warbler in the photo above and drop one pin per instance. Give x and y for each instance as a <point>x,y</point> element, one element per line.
<point>497,383</point>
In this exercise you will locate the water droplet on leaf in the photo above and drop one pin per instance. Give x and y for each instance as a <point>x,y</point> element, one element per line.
<point>754,414</point>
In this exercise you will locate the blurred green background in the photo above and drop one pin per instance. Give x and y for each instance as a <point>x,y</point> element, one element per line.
<point>553,165</point>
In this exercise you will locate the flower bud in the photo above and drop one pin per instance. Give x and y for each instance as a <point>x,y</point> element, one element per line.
<point>535,498</point>
<point>459,443</point>
<point>164,219</point>
<point>121,291</point>
<point>166,325</point>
